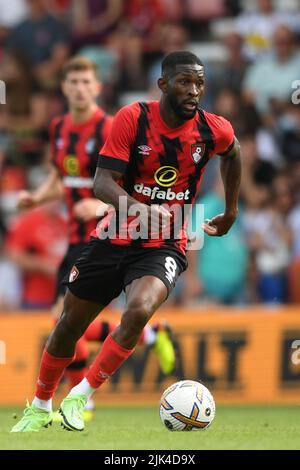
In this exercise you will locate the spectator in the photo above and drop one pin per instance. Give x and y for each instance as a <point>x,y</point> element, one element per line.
<point>198,14</point>
<point>138,34</point>
<point>288,128</point>
<point>12,13</point>
<point>24,119</point>
<point>42,40</point>
<point>231,74</point>
<point>268,81</point>
<point>174,37</point>
<point>257,175</point>
<point>219,271</point>
<point>243,118</point>
<point>270,240</point>
<point>258,27</point>
<point>36,243</point>
<point>94,20</point>
<point>10,282</point>
<point>173,10</point>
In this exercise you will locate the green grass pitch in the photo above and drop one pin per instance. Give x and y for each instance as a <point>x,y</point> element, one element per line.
<point>118,428</point>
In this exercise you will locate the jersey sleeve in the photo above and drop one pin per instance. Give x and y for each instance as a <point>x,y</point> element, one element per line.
<point>115,153</point>
<point>223,135</point>
<point>107,128</point>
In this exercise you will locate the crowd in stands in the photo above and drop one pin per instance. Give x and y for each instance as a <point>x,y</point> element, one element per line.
<point>252,79</point>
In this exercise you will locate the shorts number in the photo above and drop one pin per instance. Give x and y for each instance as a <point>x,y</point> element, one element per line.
<point>171,268</point>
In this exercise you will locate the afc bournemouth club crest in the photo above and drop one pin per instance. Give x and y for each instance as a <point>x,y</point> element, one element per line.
<point>197,151</point>
<point>73,274</point>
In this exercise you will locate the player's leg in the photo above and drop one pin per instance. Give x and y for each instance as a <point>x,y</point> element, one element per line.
<point>58,354</point>
<point>143,297</point>
<point>158,337</point>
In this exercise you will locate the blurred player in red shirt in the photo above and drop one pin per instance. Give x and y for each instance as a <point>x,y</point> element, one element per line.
<point>36,242</point>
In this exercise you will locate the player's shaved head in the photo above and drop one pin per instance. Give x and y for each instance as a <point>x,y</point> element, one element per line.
<point>171,61</point>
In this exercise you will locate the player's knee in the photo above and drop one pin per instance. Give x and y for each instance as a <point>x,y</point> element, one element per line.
<point>137,314</point>
<point>66,328</point>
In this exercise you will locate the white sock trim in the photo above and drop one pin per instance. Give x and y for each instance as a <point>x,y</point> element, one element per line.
<point>83,388</point>
<point>45,405</point>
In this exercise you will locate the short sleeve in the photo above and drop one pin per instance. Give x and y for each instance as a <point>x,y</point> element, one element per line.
<point>115,153</point>
<point>223,135</point>
<point>107,128</point>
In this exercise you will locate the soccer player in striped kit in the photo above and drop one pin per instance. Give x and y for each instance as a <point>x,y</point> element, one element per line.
<point>154,157</point>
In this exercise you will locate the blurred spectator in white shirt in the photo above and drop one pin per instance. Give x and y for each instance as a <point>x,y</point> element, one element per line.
<point>258,27</point>
<point>268,82</point>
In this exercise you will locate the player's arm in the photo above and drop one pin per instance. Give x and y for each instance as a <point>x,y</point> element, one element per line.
<point>51,189</point>
<point>88,209</point>
<point>230,167</point>
<point>107,189</point>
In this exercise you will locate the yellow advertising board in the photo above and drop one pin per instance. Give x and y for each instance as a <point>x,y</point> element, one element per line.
<point>243,355</point>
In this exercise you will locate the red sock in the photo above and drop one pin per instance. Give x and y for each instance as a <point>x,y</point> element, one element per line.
<point>81,350</point>
<point>51,371</point>
<point>109,359</point>
<point>76,371</point>
<point>98,330</point>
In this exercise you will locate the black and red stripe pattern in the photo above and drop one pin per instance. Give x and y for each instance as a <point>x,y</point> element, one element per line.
<point>75,149</point>
<point>161,165</point>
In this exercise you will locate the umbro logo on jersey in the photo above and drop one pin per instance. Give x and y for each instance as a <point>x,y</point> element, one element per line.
<point>73,274</point>
<point>144,150</point>
<point>197,151</point>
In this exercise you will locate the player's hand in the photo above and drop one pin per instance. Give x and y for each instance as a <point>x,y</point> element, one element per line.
<point>158,218</point>
<point>26,200</point>
<point>219,225</point>
<point>88,209</point>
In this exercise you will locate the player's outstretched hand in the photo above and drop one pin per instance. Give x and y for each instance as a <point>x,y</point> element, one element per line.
<point>26,200</point>
<point>219,225</point>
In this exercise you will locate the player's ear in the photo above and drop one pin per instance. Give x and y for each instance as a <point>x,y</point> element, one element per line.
<point>162,84</point>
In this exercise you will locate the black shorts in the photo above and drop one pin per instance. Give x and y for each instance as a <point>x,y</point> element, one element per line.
<point>103,270</point>
<point>65,266</point>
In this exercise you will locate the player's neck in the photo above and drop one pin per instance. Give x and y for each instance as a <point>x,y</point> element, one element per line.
<point>80,116</point>
<point>167,114</point>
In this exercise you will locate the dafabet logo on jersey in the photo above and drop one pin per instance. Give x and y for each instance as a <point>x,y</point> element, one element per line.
<point>166,176</point>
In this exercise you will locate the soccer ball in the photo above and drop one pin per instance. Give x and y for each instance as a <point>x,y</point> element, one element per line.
<point>187,406</point>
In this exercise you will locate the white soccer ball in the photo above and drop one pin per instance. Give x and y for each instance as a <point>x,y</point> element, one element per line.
<point>187,406</point>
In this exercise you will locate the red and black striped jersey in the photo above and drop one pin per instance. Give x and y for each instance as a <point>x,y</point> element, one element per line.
<point>75,150</point>
<point>161,165</point>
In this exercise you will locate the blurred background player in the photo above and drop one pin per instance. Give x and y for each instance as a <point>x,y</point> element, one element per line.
<point>75,140</point>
